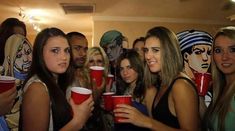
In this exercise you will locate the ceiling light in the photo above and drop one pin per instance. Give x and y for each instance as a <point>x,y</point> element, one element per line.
<point>233,0</point>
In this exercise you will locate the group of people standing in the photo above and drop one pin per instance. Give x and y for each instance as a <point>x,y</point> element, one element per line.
<point>158,73</point>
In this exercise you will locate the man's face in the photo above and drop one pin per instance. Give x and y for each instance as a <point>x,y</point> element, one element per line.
<point>79,50</point>
<point>113,50</point>
<point>200,59</point>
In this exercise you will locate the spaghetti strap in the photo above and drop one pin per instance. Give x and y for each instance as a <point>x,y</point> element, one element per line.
<point>187,79</point>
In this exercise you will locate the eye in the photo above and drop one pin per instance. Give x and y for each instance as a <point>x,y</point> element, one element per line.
<point>55,50</point>
<point>19,55</point>
<point>67,50</point>
<point>232,49</point>
<point>198,52</point>
<point>77,48</point>
<point>217,50</point>
<point>209,52</point>
<point>27,52</point>
<point>100,61</point>
<point>85,49</point>
<point>145,50</point>
<point>155,50</point>
<point>121,68</point>
<point>91,61</point>
<point>129,67</point>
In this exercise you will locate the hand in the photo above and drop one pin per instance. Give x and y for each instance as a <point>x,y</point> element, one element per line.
<point>131,114</point>
<point>7,100</point>
<point>97,91</point>
<point>109,86</point>
<point>82,112</point>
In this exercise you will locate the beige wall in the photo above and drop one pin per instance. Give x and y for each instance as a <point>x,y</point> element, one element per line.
<point>31,38</point>
<point>132,30</point>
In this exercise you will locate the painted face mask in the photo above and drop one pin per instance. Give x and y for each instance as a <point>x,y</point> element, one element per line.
<point>18,57</point>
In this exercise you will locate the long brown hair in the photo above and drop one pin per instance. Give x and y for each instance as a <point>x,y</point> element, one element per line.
<point>222,96</point>
<point>171,58</point>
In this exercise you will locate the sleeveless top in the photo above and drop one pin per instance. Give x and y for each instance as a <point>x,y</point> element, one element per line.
<point>161,111</point>
<point>130,127</point>
<point>36,79</point>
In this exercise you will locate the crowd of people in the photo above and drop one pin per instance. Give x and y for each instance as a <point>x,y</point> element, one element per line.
<point>158,72</point>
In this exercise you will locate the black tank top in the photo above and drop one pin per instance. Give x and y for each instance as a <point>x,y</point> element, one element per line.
<point>161,111</point>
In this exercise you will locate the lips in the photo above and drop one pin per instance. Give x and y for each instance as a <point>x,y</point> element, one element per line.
<point>63,64</point>
<point>205,66</point>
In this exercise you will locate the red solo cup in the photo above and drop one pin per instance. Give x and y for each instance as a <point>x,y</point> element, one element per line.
<point>96,72</point>
<point>202,81</point>
<point>108,101</point>
<point>6,83</point>
<point>125,99</point>
<point>80,94</point>
<point>110,78</point>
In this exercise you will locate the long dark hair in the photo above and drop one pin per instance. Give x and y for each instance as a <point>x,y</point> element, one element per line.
<point>6,30</point>
<point>137,65</point>
<point>61,110</point>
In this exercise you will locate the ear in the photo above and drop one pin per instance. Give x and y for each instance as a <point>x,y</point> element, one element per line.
<point>185,56</point>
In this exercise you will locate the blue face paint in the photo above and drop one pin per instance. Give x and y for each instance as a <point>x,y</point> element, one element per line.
<point>20,75</point>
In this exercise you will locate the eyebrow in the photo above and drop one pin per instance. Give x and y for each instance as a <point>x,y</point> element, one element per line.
<point>196,48</point>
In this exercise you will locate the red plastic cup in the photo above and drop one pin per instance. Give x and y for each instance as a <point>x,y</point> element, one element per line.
<point>202,81</point>
<point>6,83</point>
<point>97,73</point>
<point>125,99</point>
<point>80,94</point>
<point>108,100</point>
<point>110,78</point>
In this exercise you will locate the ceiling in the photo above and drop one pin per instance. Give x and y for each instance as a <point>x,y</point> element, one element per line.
<point>52,14</point>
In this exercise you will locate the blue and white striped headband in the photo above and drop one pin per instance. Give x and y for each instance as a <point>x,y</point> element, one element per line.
<point>191,38</point>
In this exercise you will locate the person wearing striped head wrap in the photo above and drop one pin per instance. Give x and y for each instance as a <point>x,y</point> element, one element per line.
<point>196,49</point>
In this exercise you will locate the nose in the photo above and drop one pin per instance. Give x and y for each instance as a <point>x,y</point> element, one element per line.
<point>64,55</point>
<point>147,55</point>
<point>205,57</point>
<point>225,55</point>
<point>125,72</point>
<point>82,52</point>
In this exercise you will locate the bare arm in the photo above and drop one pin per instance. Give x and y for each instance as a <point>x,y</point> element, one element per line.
<point>185,105</point>
<point>36,108</point>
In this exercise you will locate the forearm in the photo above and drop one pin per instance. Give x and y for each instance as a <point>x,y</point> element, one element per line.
<point>72,125</point>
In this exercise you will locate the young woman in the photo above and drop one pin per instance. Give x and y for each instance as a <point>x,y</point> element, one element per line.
<point>44,105</point>
<point>175,105</point>
<point>130,82</point>
<point>221,113</point>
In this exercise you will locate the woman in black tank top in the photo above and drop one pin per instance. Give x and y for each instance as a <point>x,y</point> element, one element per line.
<point>175,105</point>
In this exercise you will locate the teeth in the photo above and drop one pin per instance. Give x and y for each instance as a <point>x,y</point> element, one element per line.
<point>151,62</point>
<point>226,65</point>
